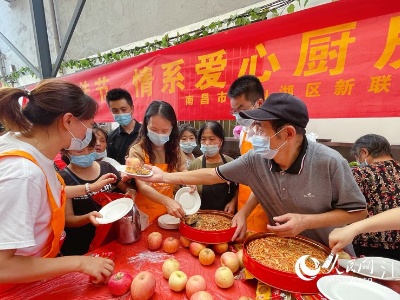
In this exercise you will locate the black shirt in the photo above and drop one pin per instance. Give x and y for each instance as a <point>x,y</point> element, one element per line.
<point>119,141</point>
<point>78,239</point>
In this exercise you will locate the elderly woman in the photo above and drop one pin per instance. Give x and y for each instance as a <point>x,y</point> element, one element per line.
<point>220,196</point>
<point>378,177</point>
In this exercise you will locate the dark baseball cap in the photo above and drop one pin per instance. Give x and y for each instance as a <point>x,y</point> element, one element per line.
<point>280,106</point>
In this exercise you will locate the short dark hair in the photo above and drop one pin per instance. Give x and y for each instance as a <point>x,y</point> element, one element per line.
<point>376,145</point>
<point>249,86</point>
<point>118,94</point>
<point>186,127</point>
<point>216,128</point>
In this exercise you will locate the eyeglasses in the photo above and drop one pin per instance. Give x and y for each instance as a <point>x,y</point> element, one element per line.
<point>234,112</point>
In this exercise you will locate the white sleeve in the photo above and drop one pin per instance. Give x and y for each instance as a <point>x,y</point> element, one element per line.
<point>23,203</point>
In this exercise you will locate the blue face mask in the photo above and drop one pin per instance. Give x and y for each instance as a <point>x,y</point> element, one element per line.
<point>261,145</point>
<point>157,139</point>
<point>83,161</point>
<point>363,164</point>
<point>187,147</point>
<point>209,150</point>
<point>101,155</point>
<point>123,119</point>
<point>242,121</point>
<point>77,144</point>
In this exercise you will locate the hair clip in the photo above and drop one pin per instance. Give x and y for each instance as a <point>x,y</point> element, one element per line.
<point>28,92</point>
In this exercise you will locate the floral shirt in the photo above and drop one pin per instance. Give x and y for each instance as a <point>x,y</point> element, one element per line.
<point>380,185</point>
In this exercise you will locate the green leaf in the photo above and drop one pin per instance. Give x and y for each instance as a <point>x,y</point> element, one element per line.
<point>274,12</point>
<point>290,8</point>
<point>250,16</point>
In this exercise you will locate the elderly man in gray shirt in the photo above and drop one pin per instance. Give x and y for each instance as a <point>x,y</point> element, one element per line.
<point>304,187</point>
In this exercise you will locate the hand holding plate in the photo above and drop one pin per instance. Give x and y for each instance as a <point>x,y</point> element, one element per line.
<point>92,217</point>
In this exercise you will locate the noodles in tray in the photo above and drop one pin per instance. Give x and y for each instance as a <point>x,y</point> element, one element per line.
<point>282,253</point>
<point>209,222</point>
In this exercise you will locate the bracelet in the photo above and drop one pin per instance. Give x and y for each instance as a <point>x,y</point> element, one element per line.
<point>87,188</point>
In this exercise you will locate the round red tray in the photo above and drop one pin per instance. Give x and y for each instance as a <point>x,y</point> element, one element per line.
<point>283,280</point>
<point>206,236</point>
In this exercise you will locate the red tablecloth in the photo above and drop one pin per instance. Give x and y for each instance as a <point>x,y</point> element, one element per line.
<point>77,286</point>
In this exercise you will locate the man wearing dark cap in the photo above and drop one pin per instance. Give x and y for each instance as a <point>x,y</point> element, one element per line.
<point>304,187</point>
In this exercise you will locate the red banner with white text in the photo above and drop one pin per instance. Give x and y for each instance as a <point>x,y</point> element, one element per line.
<point>341,58</point>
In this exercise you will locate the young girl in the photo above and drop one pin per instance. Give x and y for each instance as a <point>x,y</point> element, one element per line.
<point>58,115</point>
<point>101,146</point>
<point>220,196</point>
<point>81,212</point>
<point>187,142</point>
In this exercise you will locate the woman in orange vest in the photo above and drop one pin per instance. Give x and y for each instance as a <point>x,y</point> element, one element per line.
<point>158,145</point>
<point>247,92</point>
<point>58,115</point>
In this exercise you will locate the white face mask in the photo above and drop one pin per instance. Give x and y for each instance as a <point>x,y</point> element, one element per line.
<point>78,144</point>
<point>363,164</point>
<point>251,132</point>
<point>158,139</point>
<point>101,155</point>
<point>261,144</point>
<point>209,150</point>
<point>187,147</point>
<point>242,121</point>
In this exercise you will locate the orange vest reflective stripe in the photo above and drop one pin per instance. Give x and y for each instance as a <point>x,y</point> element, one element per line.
<point>52,248</point>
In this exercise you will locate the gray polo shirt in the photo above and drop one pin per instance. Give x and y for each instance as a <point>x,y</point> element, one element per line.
<point>318,181</point>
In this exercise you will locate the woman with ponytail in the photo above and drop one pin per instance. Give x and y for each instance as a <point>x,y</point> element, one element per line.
<point>57,116</point>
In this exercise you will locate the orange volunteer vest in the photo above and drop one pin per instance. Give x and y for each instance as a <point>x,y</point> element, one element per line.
<point>151,208</point>
<point>52,248</point>
<point>257,220</point>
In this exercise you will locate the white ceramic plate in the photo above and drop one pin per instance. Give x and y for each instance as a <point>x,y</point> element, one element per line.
<point>344,287</point>
<point>122,168</point>
<point>168,222</point>
<point>190,202</point>
<point>115,210</point>
<point>373,267</point>
<point>167,226</point>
